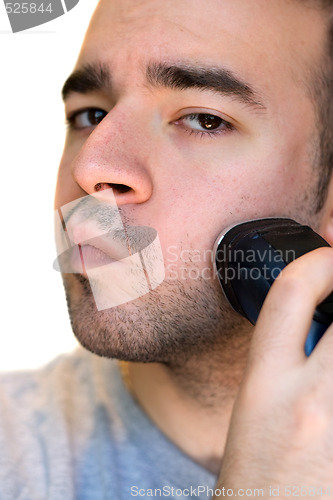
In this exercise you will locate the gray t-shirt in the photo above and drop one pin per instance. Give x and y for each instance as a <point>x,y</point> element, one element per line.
<point>72,431</point>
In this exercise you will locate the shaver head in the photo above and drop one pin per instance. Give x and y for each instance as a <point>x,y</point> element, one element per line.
<point>250,256</point>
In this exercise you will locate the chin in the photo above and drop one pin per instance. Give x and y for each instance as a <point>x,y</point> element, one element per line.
<point>177,321</point>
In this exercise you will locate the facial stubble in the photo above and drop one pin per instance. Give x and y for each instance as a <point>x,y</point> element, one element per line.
<point>175,322</point>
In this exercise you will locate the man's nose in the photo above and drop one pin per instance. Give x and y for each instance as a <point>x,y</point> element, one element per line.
<point>115,156</point>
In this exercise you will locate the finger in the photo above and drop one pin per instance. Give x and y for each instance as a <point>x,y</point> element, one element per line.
<point>288,310</point>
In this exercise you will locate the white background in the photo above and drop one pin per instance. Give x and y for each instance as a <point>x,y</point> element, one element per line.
<point>34,64</point>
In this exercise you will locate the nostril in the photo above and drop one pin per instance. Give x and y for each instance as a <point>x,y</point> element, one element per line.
<point>121,188</point>
<point>118,188</point>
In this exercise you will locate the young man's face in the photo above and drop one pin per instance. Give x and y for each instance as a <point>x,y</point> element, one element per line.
<point>228,136</point>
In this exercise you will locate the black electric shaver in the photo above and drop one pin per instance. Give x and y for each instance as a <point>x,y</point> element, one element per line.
<point>250,256</point>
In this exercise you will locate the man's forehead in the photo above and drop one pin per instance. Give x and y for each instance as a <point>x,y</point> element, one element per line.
<point>252,38</point>
<point>289,14</point>
<point>217,24</point>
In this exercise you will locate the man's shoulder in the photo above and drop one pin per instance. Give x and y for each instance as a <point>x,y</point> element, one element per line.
<point>48,418</point>
<point>72,429</point>
<point>53,380</point>
<point>68,388</point>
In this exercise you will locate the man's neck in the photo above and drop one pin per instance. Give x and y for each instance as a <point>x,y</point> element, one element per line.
<point>192,403</point>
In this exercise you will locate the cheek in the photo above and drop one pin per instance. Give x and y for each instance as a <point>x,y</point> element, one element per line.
<point>67,189</point>
<point>199,209</point>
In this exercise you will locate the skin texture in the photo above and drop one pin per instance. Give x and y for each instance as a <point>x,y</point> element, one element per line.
<point>189,187</point>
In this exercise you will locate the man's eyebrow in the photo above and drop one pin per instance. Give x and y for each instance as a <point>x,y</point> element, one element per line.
<point>97,77</point>
<point>89,78</point>
<point>217,79</point>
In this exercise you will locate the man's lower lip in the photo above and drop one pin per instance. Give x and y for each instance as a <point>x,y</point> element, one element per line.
<point>85,257</point>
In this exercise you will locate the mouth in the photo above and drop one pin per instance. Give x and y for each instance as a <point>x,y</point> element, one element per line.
<point>86,256</point>
<point>90,249</point>
<point>90,236</point>
<point>84,253</point>
<point>90,239</point>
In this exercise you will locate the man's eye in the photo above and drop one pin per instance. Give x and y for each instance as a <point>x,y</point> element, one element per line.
<point>204,124</point>
<point>85,118</point>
